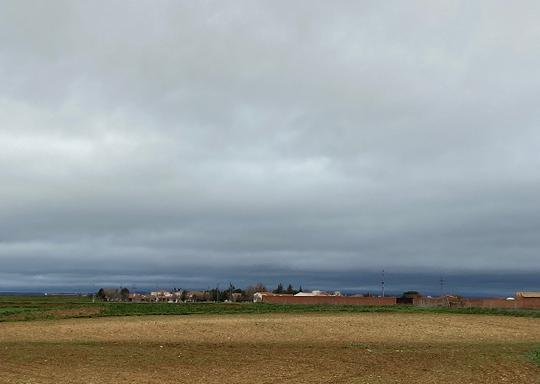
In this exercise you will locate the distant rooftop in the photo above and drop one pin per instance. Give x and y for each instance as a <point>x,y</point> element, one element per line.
<point>528,295</point>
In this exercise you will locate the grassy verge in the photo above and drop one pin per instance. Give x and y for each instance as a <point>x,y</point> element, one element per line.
<point>51,300</point>
<point>6,311</point>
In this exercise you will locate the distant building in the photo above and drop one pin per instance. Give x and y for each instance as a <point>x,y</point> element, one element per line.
<point>193,296</point>
<point>137,298</point>
<point>161,296</point>
<point>236,296</point>
<point>527,295</point>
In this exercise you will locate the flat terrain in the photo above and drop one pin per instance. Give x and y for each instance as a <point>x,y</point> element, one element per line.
<point>24,308</point>
<point>273,348</point>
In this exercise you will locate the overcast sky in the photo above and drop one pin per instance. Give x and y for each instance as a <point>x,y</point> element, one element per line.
<point>152,141</point>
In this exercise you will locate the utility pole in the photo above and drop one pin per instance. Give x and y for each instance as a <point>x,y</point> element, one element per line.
<point>382,283</point>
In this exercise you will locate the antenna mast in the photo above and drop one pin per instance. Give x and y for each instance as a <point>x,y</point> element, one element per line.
<point>382,283</point>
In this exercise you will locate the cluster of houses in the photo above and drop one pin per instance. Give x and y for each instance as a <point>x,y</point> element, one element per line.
<point>176,296</point>
<point>160,296</point>
<point>185,296</point>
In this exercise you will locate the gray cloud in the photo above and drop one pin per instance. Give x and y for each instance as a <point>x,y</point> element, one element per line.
<point>305,136</point>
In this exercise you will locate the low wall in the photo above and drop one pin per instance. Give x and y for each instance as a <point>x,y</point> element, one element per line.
<point>477,303</point>
<point>502,303</point>
<point>336,300</point>
<point>532,303</point>
<point>437,302</point>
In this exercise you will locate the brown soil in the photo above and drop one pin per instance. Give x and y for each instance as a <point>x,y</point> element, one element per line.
<point>311,348</point>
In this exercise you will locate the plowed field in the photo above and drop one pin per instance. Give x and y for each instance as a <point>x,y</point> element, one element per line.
<point>274,348</point>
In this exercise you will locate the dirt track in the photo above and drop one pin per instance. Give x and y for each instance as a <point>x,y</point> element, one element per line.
<point>337,348</point>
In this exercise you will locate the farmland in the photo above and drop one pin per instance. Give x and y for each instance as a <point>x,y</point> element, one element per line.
<point>24,308</point>
<point>252,343</point>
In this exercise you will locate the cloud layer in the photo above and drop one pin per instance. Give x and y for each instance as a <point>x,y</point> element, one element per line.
<point>172,138</point>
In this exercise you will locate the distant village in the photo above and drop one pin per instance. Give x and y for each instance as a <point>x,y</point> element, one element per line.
<point>178,295</point>
<point>260,294</point>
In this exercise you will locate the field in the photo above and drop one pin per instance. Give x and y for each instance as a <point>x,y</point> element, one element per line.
<point>24,308</point>
<point>330,346</point>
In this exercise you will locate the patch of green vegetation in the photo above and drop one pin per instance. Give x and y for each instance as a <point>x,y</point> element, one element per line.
<point>22,301</point>
<point>23,308</point>
<point>535,356</point>
<point>10,311</point>
<point>6,313</point>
